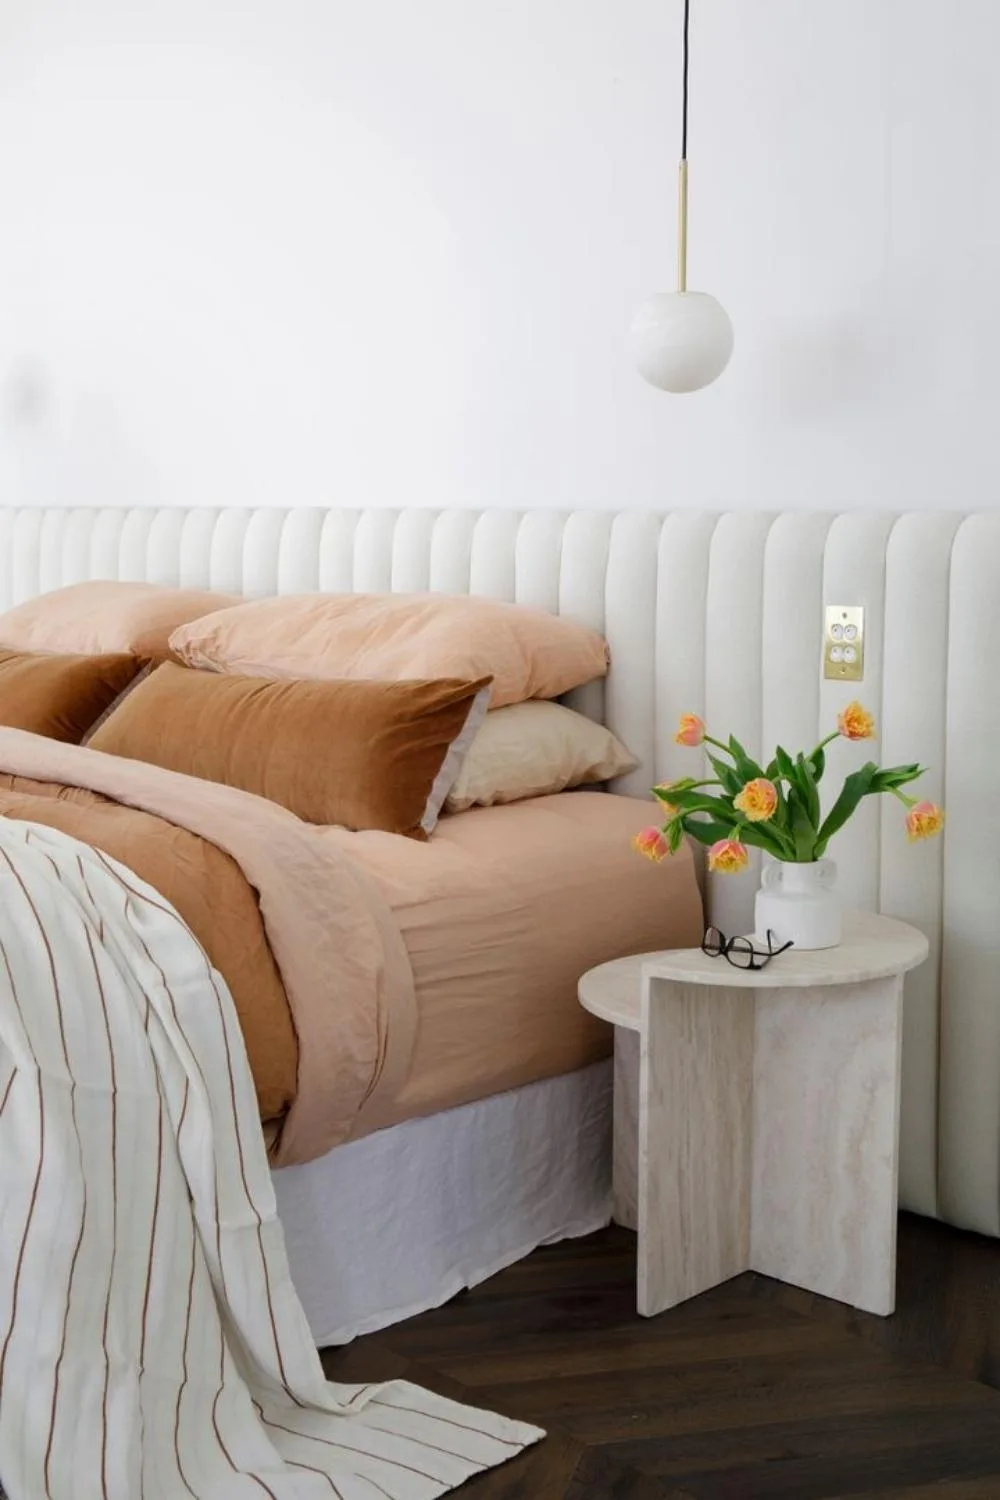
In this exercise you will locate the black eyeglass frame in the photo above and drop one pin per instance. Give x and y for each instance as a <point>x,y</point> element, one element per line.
<point>725,947</point>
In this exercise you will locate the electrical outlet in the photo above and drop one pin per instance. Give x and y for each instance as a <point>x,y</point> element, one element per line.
<point>844,643</point>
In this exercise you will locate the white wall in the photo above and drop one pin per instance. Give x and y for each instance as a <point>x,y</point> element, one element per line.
<point>376,251</point>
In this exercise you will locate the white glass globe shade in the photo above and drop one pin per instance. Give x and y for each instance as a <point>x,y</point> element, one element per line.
<point>681,341</point>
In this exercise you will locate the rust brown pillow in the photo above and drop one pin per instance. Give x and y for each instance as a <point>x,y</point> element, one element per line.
<point>364,755</point>
<point>60,696</point>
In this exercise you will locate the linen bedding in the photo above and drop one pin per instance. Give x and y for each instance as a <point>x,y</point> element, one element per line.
<point>501,912</point>
<point>375,978</point>
<point>128,895</point>
<point>251,879</point>
<point>151,1342</point>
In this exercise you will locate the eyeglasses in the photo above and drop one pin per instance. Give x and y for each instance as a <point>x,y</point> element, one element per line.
<point>740,951</point>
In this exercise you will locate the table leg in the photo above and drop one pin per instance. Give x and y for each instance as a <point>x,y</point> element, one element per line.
<point>694,1170</point>
<point>826,1137</point>
<point>624,1208</point>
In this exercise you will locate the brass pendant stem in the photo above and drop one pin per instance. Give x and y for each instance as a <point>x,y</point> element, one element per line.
<point>682,226</point>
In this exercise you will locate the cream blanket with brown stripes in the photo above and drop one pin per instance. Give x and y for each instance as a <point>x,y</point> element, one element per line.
<point>152,1346</point>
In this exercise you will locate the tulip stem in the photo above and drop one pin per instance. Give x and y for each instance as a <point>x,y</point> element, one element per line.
<point>823,743</point>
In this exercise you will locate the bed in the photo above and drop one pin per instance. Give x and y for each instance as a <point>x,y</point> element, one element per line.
<point>716,613</point>
<point>408,1005</point>
<point>432,991</point>
<point>432,987</point>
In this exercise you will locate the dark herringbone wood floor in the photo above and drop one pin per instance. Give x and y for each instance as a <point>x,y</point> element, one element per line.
<point>754,1391</point>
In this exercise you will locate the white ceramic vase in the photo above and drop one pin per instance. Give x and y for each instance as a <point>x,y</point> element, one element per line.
<point>798,904</point>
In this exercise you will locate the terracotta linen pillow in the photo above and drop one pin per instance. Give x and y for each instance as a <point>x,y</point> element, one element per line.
<point>60,696</point>
<point>364,755</point>
<point>533,750</point>
<point>394,637</point>
<point>95,618</point>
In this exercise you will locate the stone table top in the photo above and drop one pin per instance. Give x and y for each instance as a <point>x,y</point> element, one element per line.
<point>873,947</point>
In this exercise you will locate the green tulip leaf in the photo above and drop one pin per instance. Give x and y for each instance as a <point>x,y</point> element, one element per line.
<point>806,783</point>
<point>746,769</point>
<point>732,783</point>
<point>695,801</point>
<point>801,826</point>
<point>785,764</point>
<point>759,835</point>
<point>893,776</point>
<point>857,785</point>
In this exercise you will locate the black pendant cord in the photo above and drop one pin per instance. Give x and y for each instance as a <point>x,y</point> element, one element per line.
<point>684,104</point>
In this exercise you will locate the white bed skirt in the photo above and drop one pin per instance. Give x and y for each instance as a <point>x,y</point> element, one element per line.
<point>400,1221</point>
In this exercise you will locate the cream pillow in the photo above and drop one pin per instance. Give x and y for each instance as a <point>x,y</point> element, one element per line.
<point>532,749</point>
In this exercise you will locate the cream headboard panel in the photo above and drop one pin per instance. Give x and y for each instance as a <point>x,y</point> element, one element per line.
<point>721,614</point>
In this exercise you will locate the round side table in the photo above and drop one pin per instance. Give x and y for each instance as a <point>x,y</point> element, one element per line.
<point>757,1114</point>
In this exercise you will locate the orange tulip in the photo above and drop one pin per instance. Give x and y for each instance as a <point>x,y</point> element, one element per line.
<point>924,820</point>
<point>856,723</point>
<point>758,800</point>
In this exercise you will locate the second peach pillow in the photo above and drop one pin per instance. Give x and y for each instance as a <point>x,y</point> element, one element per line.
<point>396,637</point>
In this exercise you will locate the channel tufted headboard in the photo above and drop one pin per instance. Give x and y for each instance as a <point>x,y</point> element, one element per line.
<point>721,614</point>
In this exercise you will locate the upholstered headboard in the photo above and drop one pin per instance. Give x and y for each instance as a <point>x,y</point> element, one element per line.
<point>720,614</point>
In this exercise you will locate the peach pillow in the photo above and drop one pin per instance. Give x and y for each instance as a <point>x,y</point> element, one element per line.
<point>95,619</point>
<point>396,637</point>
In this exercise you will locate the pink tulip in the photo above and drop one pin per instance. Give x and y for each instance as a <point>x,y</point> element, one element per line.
<point>652,844</point>
<point>728,857</point>
<point>924,820</point>
<point>690,731</point>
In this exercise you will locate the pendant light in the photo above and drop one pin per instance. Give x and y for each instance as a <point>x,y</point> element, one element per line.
<point>681,341</point>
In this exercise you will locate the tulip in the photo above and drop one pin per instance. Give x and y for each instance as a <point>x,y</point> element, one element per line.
<point>728,857</point>
<point>690,731</point>
<point>651,843</point>
<point>856,723</point>
<point>924,820</point>
<point>758,800</point>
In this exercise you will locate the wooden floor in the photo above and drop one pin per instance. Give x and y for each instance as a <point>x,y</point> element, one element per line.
<point>754,1391</point>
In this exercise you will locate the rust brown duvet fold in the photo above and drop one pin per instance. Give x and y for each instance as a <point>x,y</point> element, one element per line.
<point>208,889</point>
<point>314,960</point>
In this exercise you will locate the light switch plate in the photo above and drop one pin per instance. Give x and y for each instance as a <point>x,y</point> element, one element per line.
<point>844,643</point>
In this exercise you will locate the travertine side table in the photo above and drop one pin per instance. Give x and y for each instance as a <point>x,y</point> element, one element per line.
<point>757,1114</point>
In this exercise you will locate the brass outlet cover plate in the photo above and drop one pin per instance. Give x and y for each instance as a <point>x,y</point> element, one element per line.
<point>844,643</point>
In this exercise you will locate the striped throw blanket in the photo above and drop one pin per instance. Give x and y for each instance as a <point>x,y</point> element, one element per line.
<point>152,1346</point>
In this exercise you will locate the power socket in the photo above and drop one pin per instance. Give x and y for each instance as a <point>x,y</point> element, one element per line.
<point>844,643</point>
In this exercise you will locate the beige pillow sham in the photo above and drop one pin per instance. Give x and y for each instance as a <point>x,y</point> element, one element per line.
<point>396,637</point>
<point>533,749</point>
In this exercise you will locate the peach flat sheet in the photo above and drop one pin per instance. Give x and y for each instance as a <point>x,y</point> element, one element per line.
<point>501,912</point>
